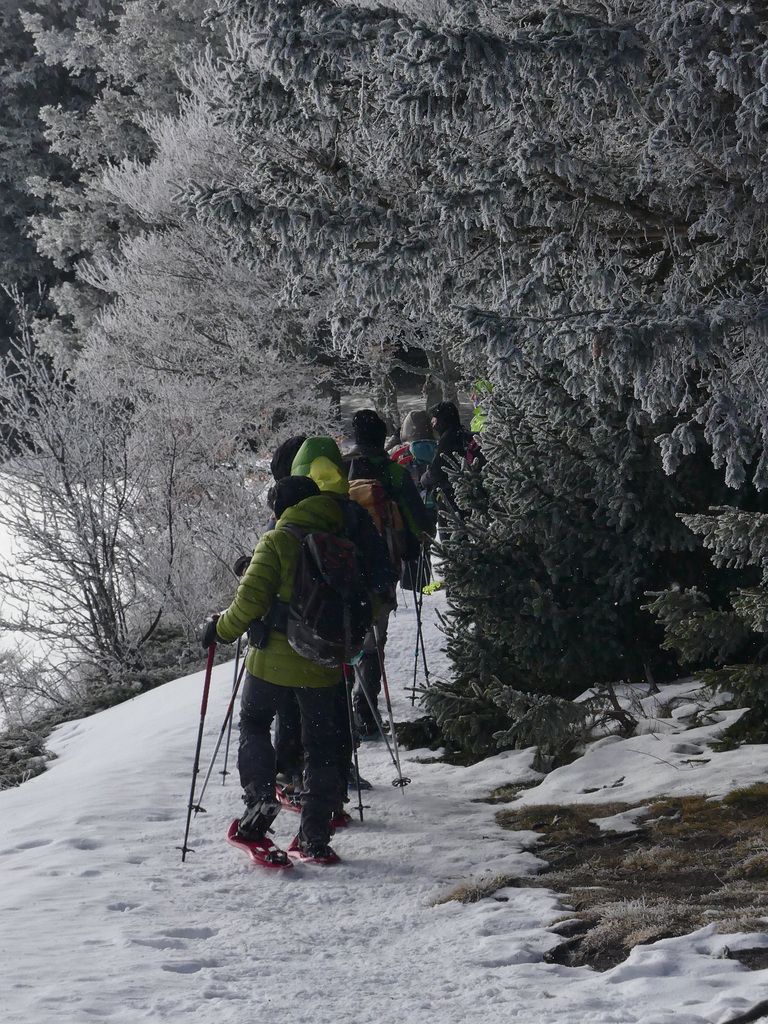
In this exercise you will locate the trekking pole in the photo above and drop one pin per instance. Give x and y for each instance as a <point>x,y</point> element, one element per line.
<point>227,722</point>
<point>377,719</point>
<point>418,601</point>
<point>419,621</point>
<point>401,780</point>
<point>348,689</point>
<point>415,583</point>
<point>235,683</point>
<point>203,708</point>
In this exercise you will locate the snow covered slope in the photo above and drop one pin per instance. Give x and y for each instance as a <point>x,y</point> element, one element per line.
<point>101,920</point>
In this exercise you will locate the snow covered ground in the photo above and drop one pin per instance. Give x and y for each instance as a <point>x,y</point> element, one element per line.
<point>101,920</point>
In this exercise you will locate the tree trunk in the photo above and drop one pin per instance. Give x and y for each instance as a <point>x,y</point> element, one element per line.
<point>385,401</point>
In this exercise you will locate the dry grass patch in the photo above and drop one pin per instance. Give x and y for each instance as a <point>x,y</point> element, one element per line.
<point>473,892</point>
<point>690,862</point>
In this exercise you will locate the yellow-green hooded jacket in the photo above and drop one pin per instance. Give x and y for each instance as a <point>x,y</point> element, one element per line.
<point>320,458</point>
<point>270,576</point>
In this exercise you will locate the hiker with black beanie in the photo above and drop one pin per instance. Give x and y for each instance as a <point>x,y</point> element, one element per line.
<point>387,490</point>
<point>452,442</point>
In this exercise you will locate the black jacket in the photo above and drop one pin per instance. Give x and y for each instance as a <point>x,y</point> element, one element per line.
<point>451,448</point>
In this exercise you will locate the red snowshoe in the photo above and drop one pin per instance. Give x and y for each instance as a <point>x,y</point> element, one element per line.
<point>312,853</point>
<point>261,851</point>
<point>288,798</point>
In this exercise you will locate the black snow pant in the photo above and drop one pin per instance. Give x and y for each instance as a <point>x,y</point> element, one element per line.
<point>288,749</point>
<point>289,752</point>
<point>323,728</point>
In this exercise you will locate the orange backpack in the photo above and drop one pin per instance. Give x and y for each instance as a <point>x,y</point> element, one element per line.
<point>373,496</point>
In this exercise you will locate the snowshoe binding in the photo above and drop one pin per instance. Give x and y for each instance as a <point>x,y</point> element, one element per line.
<point>288,797</point>
<point>261,851</point>
<point>312,851</point>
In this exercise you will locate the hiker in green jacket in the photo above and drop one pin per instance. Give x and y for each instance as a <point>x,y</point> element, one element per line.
<point>275,673</point>
<point>320,459</point>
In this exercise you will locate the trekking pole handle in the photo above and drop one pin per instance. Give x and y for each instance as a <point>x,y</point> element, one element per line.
<point>207,684</point>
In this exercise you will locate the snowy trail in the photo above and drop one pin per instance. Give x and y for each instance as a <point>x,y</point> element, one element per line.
<point>101,921</point>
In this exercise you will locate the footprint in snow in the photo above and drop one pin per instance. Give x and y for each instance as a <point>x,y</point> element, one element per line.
<point>191,933</point>
<point>189,966</point>
<point>84,844</point>
<point>32,844</point>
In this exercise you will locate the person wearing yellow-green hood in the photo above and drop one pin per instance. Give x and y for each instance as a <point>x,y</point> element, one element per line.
<point>275,672</point>
<point>319,459</point>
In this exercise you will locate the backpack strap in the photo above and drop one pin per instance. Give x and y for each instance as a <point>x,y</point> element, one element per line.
<point>295,531</point>
<point>277,616</point>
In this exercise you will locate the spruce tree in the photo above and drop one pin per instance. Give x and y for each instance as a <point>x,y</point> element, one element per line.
<point>569,523</point>
<point>723,637</point>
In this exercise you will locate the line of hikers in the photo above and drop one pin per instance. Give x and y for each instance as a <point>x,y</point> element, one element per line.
<point>315,598</point>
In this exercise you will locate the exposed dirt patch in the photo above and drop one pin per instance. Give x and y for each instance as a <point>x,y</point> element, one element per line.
<point>689,862</point>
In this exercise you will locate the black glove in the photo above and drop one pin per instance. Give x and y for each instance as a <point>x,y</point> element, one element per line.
<point>209,635</point>
<point>241,565</point>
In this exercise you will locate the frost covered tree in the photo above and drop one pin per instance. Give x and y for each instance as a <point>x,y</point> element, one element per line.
<point>129,59</point>
<point>126,519</point>
<point>173,376</point>
<point>568,192</point>
<point>181,310</point>
<point>28,85</point>
<point>329,191</point>
<point>579,183</point>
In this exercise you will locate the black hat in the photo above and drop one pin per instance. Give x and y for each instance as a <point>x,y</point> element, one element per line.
<point>446,415</point>
<point>369,428</point>
<point>290,491</point>
<point>284,455</point>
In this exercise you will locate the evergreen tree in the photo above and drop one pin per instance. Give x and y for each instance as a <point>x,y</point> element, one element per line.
<point>569,523</point>
<point>724,641</point>
<point>28,85</point>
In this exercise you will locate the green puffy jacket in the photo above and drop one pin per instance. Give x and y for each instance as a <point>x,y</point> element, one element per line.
<point>270,575</point>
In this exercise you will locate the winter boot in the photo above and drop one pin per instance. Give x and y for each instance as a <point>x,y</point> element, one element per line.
<point>288,789</point>
<point>313,850</point>
<point>260,811</point>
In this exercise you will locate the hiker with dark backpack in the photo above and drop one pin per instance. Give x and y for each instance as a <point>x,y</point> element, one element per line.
<point>284,660</point>
<point>452,444</point>
<point>387,491</point>
<point>320,458</point>
<point>415,452</point>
